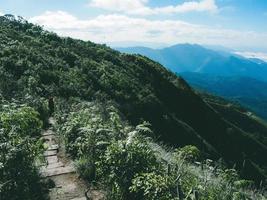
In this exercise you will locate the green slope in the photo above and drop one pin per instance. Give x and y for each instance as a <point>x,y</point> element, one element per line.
<point>249,92</point>
<point>37,63</point>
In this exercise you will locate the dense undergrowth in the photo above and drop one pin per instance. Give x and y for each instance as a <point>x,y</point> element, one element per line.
<point>20,149</point>
<point>129,164</point>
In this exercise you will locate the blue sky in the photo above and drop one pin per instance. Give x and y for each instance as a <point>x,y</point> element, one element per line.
<point>236,24</point>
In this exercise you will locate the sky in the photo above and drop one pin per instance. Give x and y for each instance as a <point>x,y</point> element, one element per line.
<point>240,25</point>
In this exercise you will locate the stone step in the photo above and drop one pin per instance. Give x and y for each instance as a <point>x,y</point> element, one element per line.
<point>49,136</point>
<point>58,171</point>
<point>48,133</point>
<point>50,153</point>
<point>53,147</point>
<point>55,165</point>
<point>52,166</point>
<point>51,159</point>
<point>79,198</point>
<point>66,196</point>
<point>68,191</point>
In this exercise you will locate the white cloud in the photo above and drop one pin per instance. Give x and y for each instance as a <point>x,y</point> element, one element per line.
<point>1,14</point>
<point>118,5</point>
<point>138,7</point>
<point>58,20</point>
<point>259,55</point>
<point>120,28</point>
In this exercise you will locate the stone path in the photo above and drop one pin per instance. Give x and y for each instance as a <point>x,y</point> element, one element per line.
<point>61,171</point>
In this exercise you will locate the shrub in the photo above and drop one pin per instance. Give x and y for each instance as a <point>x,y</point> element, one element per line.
<point>24,119</point>
<point>122,161</point>
<point>151,186</point>
<point>87,127</point>
<point>19,148</point>
<point>86,168</point>
<point>189,153</point>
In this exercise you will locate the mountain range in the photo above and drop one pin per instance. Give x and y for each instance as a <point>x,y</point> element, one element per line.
<point>195,58</point>
<point>215,71</point>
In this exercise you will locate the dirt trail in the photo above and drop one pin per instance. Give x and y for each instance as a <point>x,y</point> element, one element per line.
<point>61,170</point>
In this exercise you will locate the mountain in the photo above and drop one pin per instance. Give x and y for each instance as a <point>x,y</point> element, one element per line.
<point>195,58</point>
<point>258,61</point>
<point>37,65</point>
<point>216,71</point>
<point>249,92</point>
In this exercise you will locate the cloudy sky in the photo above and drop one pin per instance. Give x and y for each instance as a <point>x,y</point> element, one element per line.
<point>237,24</point>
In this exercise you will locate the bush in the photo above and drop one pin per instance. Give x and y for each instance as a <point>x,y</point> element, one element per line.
<point>24,119</point>
<point>189,153</point>
<point>41,106</point>
<point>86,127</point>
<point>122,161</point>
<point>19,148</point>
<point>86,168</point>
<point>151,186</point>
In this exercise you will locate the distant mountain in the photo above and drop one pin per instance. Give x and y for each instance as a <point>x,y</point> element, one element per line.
<point>195,58</point>
<point>257,60</point>
<point>218,48</point>
<point>249,92</point>
<point>217,71</point>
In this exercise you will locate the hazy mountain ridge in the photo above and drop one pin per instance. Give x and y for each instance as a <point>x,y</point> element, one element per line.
<point>195,58</point>
<point>219,72</point>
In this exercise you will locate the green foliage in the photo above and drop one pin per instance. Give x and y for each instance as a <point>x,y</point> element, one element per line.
<point>189,153</point>
<point>122,161</point>
<point>24,119</point>
<point>19,149</point>
<point>152,186</point>
<point>230,175</point>
<point>244,184</point>
<point>145,129</point>
<point>40,104</point>
<point>86,168</point>
<point>89,126</point>
<point>132,166</point>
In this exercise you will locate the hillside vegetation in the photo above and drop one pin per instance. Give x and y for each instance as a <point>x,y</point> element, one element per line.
<point>113,110</point>
<point>249,92</point>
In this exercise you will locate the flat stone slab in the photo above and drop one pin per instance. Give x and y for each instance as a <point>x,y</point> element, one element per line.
<point>50,153</point>
<point>79,198</point>
<point>55,165</point>
<point>52,166</point>
<point>51,159</point>
<point>48,132</point>
<point>53,147</point>
<point>58,171</point>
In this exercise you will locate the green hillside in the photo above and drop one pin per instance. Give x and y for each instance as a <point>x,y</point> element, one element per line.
<point>102,97</point>
<point>249,92</point>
